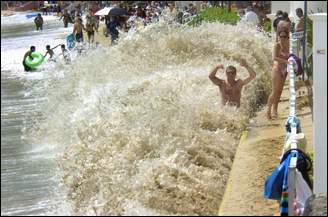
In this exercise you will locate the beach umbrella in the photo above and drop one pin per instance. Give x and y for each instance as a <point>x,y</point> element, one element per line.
<point>118,12</point>
<point>104,11</point>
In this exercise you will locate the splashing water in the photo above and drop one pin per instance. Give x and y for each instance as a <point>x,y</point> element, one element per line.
<point>140,125</point>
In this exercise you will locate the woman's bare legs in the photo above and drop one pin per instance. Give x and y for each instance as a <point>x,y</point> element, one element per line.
<point>277,85</point>
<point>275,104</point>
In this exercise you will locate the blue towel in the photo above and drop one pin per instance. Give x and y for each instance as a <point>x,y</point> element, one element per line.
<point>273,186</point>
<point>70,40</point>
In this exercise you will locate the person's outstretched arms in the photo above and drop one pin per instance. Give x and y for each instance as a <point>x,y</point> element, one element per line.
<point>212,76</point>
<point>250,70</point>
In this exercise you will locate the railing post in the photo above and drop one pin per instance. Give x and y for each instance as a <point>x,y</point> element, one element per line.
<point>291,185</point>
<point>320,101</point>
<point>291,73</point>
<point>293,126</point>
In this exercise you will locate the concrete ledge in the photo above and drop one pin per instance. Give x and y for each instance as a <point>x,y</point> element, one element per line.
<point>228,185</point>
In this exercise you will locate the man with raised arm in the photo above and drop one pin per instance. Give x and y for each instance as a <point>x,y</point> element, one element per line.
<point>230,89</point>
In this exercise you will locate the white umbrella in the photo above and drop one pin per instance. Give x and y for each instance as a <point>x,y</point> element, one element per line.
<point>103,12</point>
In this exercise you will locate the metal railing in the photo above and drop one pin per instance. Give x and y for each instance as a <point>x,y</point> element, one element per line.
<point>294,49</point>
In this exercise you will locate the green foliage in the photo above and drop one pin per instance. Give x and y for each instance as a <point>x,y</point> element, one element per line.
<point>267,26</point>
<point>309,30</point>
<point>308,66</point>
<point>310,153</point>
<point>214,14</point>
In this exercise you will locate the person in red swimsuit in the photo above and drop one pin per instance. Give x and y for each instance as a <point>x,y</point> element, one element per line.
<point>279,72</point>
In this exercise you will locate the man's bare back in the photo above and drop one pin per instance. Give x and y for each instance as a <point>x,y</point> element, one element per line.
<point>77,28</point>
<point>231,89</point>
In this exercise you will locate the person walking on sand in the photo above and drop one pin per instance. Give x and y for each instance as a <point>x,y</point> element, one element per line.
<point>231,88</point>
<point>279,72</point>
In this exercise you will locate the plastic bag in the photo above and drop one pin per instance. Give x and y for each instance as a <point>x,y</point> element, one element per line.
<point>303,192</point>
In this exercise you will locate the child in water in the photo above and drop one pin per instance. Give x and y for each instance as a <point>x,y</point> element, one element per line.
<point>50,51</point>
<point>28,53</point>
<point>65,54</point>
<point>231,88</point>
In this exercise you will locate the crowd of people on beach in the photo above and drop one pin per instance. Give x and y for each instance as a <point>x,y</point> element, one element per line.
<point>139,15</point>
<point>136,16</point>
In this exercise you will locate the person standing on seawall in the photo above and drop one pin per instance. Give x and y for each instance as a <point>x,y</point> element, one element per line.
<point>279,72</point>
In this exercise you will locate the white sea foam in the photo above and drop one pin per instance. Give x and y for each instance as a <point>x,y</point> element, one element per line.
<point>139,123</point>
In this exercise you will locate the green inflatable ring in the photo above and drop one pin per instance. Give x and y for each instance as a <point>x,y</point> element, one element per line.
<point>36,61</point>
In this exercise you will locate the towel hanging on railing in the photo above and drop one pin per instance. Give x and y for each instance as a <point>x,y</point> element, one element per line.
<point>298,69</point>
<point>273,184</point>
<point>284,194</point>
<point>304,164</point>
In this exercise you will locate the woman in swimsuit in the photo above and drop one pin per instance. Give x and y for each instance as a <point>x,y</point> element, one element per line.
<point>279,72</point>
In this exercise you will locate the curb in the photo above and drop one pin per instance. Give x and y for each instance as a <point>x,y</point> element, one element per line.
<point>228,185</point>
